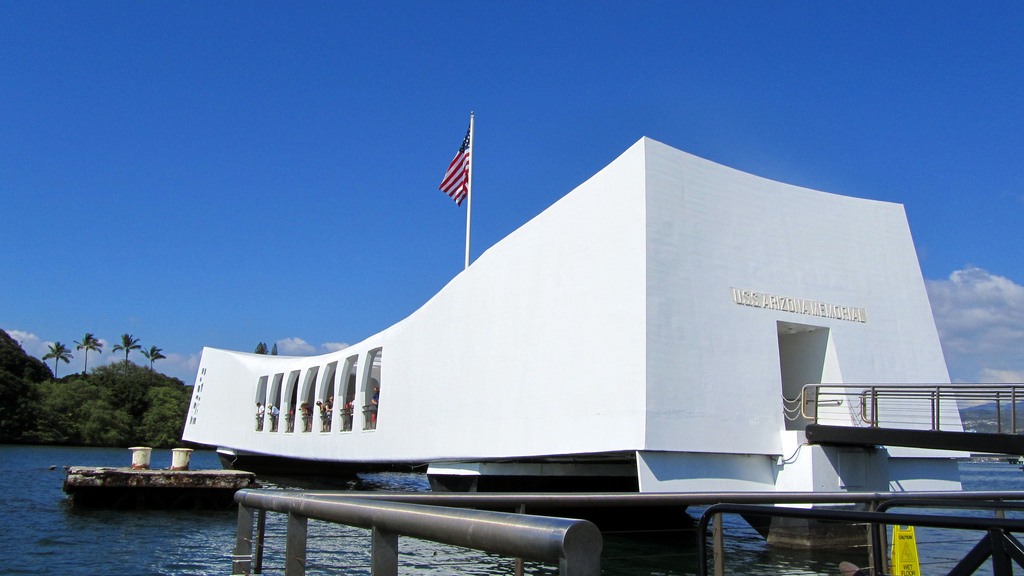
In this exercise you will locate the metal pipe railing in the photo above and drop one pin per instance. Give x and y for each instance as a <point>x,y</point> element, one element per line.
<point>574,545</point>
<point>874,519</point>
<point>248,550</point>
<point>527,501</point>
<point>904,400</point>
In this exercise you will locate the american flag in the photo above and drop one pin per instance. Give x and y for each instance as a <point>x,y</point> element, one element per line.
<point>456,179</point>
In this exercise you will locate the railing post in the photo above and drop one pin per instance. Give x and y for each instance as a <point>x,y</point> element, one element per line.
<point>383,553</point>
<point>520,565</point>
<point>261,531</point>
<point>719,545</point>
<point>295,546</point>
<point>878,543</point>
<point>1013,410</point>
<point>874,407</point>
<point>242,561</point>
<point>1001,564</point>
<point>807,401</point>
<point>999,413</point>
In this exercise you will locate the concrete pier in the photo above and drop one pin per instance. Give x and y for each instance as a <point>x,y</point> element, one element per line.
<point>128,488</point>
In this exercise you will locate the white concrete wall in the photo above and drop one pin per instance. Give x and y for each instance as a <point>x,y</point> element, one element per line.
<point>536,349</point>
<point>713,365</point>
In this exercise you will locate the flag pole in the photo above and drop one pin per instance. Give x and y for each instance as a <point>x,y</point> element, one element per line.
<point>469,188</point>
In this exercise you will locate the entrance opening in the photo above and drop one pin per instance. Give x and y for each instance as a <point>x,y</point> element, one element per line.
<point>306,398</point>
<point>291,395</point>
<point>350,371</point>
<point>274,400</point>
<point>371,389</point>
<point>806,356</point>
<point>261,402</point>
<point>325,398</point>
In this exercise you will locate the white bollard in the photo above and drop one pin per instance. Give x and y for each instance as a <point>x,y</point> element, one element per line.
<point>140,457</point>
<point>179,458</point>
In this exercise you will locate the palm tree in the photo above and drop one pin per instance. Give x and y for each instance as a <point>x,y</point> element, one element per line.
<point>89,342</point>
<point>128,343</point>
<point>58,352</point>
<point>153,354</point>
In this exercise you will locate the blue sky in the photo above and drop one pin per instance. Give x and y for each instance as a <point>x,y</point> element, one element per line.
<point>224,173</point>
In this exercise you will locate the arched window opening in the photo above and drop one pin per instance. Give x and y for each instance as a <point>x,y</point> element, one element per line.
<point>371,389</point>
<point>291,394</point>
<point>306,398</point>
<point>351,368</point>
<point>274,401</point>
<point>325,397</point>
<point>261,402</point>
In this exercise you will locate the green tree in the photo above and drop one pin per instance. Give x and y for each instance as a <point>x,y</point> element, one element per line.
<point>261,348</point>
<point>128,343</point>
<point>273,351</point>
<point>153,354</point>
<point>14,360</point>
<point>59,353</point>
<point>19,399</point>
<point>88,342</point>
<point>164,419</point>
<point>104,425</point>
<point>61,415</point>
<point>110,407</point>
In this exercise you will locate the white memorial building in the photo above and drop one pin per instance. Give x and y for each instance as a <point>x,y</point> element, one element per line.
<point>643,333</point>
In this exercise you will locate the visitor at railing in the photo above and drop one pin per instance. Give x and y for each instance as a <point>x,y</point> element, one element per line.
<point>307,417</point>
<point>370,410</point>
<point>325,416</point>
<point>346,416</point>
<point>259,416</point>
<point>289,420</point>
<point>275,413</point>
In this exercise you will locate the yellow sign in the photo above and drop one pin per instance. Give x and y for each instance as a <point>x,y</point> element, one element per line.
<point>904,552</point>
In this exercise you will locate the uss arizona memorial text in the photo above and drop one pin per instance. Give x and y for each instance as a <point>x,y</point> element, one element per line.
<point>798,306</point>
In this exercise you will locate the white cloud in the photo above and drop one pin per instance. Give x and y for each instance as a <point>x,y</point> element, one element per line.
<point>991,376</point>
<point>179,366</point>
<point>295,347</point>
<point>333,346</point>
<point>980,318</point>
<point>30,343</point>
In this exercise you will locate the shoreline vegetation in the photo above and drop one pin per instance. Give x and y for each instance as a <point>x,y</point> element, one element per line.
<point>116,405</point>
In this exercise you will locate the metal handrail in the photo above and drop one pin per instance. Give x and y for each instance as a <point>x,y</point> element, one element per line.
<point>574,545</point>
<point>874,519</point>
<point>902,397</point>
<point>246,558</point>
<point>506,501</point>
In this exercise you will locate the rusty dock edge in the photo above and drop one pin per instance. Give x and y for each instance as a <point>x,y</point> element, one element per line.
<point>127,488</point>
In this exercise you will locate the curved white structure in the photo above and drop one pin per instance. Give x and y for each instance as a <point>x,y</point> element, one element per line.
<point>641,332</point>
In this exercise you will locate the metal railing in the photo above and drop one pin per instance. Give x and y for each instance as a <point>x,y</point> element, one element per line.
<point>574,545</point>
<point>436,517</point>
<point>894,405</point>
<point>538,500</point>
<point>997,543</point>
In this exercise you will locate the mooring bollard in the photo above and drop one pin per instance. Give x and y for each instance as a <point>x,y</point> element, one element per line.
<point>179,458</point>
<point>140,457</point>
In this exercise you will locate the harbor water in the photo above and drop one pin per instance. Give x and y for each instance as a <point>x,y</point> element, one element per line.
<point>44,535</point>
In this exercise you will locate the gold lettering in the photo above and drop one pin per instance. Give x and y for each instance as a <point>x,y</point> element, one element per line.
<point>798,305</point>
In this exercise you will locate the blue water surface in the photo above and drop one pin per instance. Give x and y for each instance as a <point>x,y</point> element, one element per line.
<point>45,535</point>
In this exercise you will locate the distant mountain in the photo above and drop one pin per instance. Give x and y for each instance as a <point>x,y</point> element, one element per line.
<point>985,417</point>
